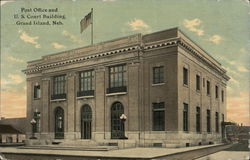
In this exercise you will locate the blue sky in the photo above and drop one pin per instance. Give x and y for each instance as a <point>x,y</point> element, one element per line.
<point>221,27</point>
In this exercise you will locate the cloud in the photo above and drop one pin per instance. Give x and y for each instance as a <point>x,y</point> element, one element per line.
<point>139,25</point>
<point>215,39</point>
<point>57,45</point>
<point>13,59</point>
<point>242,69</point>
<point>72,37</point>
<point>13,104</point>
<point>194,26</point>
<point>243,50</point>
<point>15,78</point>
<point>28,39</point>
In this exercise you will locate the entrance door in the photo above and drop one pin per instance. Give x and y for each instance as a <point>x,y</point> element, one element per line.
<point>86,119</point>
<point>117,128</point>
<point>59,123</point>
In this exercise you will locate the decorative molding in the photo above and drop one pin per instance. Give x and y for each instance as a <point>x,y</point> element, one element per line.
<point>39,68</point>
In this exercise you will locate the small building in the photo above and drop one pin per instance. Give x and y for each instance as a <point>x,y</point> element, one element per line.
<point>9,134</point>
<point>172,92</point>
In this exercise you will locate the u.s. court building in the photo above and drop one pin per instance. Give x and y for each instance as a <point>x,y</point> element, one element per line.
<point>171,92</point>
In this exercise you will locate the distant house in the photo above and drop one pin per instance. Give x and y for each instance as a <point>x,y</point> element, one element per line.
<point>9,134</point>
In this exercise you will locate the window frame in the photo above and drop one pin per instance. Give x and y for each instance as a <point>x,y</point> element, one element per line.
<point>185,76</point>
<point>59,84</point>
<point>198,119</point>
<point>158,122</point>
<point>117,77</point>
<point>198,82</point>
<point>216,91</point>
<point>37,92</point>
<point>89,77</point>
<point>185,117</point>
<point>158,78</point>
<point>208,121</point>
<point>208,88</point>
<point>217,122</point>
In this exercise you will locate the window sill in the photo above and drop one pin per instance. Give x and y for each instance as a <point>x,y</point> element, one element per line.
<point>36,98</point>
<point>56,100</point>
<point>185,85</point>
<point>116,94</point>
<point>85,97</point>
<point>158,84</point>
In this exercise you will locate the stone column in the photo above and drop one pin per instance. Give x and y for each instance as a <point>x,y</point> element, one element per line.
<point>133,89</point>
<point>71,98</point>
<point>45,112</point>
<point>100,103</point>
<point>29,108</point>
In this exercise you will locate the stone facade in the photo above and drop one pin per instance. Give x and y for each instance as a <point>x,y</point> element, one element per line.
<point>170,49</point>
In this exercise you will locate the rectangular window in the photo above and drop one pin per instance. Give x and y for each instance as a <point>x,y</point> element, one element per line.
<point>59,91</point>
<point>117,76</point>
<point>208,87</point>
<point>223,118</point>
<point>86,79</point>
<point>37,125</point>
<point>204,82</point>
<point>86,83</point>
<point>117,79</point>
<point>208,121</point>
<point>185,117</point>
<point>159,116</point>
<point>185,76</point>
<point>59,84</point>
<point>37,92</point>
<point>198,119</point>
<point>158,75</point>
<point>216,92</point>
<point>217,121</point>
<point>198,83</point>
<point>222,96</point>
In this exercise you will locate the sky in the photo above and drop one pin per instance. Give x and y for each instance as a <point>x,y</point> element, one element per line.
<point>221,27</point>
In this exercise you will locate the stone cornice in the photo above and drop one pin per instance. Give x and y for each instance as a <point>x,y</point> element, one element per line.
<point>40,67</point>
<point>195,53</point>
<point>140,48</point>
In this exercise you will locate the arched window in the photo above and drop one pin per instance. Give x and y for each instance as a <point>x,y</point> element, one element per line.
<point>59,123</point>
<point>86,119</point>
<point>117,128</point>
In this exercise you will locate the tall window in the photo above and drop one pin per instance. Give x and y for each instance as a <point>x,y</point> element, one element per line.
<point>222,96</point>
<point>185,117</point>
<point>223,118</point>
<point>158,116</point>
<point>86,83</point>
<point>37,126</point>
<point>208,87</point>
<point>37,92</point>
<point>117,79</point>
<point>217,121</point>
<point>208,121</point>
<point>117,76</point>
<point>198,119</point>
<point>198,83</point>
<point>185,76</point>
<point>158,75</point>
<point>216,91</point>
<point>59,84</point>
<point>86,80</point>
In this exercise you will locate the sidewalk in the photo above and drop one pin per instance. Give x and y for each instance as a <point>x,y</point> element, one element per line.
<point>126,153</point>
